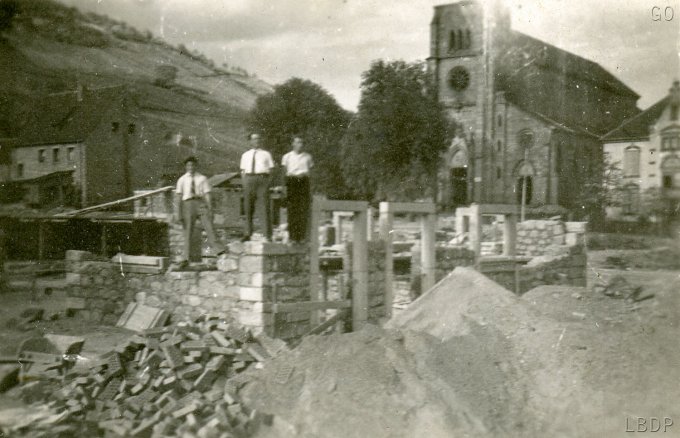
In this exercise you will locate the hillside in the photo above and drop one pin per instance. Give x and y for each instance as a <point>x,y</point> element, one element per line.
<point>53,48</point>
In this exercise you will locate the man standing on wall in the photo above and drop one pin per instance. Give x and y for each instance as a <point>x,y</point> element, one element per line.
<point>297,164</point>
<point>256,165</point>
<point>193,197</point>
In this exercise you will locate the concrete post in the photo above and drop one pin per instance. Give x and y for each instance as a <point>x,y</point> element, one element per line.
<point>314,281</point>
<point>510,235</point>
<point>475,230</point>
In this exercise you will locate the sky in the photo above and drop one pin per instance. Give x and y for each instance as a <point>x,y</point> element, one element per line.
<point>331,42</point>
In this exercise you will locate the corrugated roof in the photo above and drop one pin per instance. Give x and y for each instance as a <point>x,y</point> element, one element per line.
<point>64,118</point>
<point>637,127</point>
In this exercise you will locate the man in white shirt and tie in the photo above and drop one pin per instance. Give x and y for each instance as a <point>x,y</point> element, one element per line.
<point>256,165</point>
<point>298,165</point>
<point>193,197</point>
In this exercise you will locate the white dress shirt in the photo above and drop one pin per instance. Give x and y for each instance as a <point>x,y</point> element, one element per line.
<point>263,162</point>
<point>201,186</point>
<point>297,163</point>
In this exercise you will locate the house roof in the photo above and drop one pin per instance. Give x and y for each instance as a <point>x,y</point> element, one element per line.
<point>534,76</point>
<point>637,127</point>
<point>66,118</point>
<point>222,179</point>
<point>60,175</point>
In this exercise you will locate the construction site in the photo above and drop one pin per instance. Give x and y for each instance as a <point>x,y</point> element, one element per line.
<point>394,321</point>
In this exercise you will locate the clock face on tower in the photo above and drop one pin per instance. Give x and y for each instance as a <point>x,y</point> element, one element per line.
<point>459,78</point>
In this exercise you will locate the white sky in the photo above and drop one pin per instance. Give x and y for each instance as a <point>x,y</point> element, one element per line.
<point>331,42</point>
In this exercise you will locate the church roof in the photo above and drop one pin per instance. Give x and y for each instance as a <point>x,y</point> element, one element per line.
<point>637,128</point>
<point>68,117</point>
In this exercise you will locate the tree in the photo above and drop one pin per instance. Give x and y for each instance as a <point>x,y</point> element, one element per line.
<point>8,9</point>
<point>301,107</point>
<point>392,147</point>
<point>601,188</point>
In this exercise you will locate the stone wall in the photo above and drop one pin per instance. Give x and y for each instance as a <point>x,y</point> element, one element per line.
<point>569,268</point>
<point>447,258</point>
<point>248,280</point>
<point>540,237</point>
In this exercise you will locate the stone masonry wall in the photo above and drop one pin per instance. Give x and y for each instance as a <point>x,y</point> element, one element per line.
<point>540,237</point>
<point>250,277</point>
<point>447,258</point>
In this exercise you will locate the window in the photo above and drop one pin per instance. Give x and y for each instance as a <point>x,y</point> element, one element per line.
<point>667,181</point>
<point>115,126</point>
<point>631,199</point>
<point>499,146</point>
<point>55,155</point>
<point>468,39</point>
<point>674,112</point>
<point>452,41</point>
<point>500,120</point>
<point>71,154</point>
<point>499,173</point>
<point>20,170</point>
<point>131,128</point>
<point>41,155</point>
<point>670,143</point>
<point>525,138</point>
<point>631,161</point>
<point>461,43</point>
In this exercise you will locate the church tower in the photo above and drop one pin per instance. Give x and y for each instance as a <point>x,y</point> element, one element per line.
<point>464,37</point>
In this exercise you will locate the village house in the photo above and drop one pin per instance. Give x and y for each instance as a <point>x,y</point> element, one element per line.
<point>646,148</point>
<point>530,115</point>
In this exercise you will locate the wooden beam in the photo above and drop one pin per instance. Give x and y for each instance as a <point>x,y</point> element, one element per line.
<point>314,280</point>
<point>305,306</point>
<point>428,224</point>
<point>386,224</point>
<point>359,270</point>
<point>341,315</point>
<point>334,205</point>
<point>117,202</point>
<point>413,207</point>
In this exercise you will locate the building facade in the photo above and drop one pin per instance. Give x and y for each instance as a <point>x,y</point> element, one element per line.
<point>528,115</point>
<point>646,149</point>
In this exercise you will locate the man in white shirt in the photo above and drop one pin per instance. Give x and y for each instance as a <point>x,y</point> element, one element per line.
<point>298,165</point>
<point>256,165</point>
<point>192,196</point>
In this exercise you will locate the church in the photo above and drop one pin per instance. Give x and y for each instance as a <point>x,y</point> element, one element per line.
<point>528,116</point>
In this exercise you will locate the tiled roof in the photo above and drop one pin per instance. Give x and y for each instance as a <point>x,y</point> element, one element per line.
<point>637,127</point>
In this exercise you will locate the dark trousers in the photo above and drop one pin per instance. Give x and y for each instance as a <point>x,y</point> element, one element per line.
<point>191,210</point>
<point>298,201</point>
<point>256,195</point>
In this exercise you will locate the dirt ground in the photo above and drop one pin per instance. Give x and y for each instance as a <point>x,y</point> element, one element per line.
<point>464,361</point>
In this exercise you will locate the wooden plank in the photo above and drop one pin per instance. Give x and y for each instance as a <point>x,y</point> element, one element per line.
<point>305,306</point>
<point>117,202</point>
<point>428,251</point>
<point>386,226</point>
<point>335,205</point>
<point>413,207</point>
<point>328,323</point>
<point>139,260</point>
<point>314,280</point>
<point>359,271</point>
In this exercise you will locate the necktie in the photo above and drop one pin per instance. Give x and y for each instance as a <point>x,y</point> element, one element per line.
<point>252,166</point>
<point>192,193</point>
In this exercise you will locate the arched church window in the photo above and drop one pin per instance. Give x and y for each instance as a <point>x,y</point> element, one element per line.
<point>460,40</point>
<point>500,121</point>
<point>468,39</point>
<point>631,161</point>
<point>452,40</point>
<point>524,184</point>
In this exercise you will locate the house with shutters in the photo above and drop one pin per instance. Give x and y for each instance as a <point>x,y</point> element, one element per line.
<point>646,148</point>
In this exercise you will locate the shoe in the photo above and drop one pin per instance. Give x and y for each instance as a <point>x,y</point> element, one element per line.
<point>182,265</point>
<point>223,252</point>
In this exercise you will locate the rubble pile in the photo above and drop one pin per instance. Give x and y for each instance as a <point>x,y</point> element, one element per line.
<point>619,287</point>
<point>180,380</point>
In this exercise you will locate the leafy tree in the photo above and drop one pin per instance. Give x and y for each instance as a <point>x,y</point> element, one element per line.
<point>393,145</point>
<point>301,107</point>
<point>601,188</point>
<point>8,9</point>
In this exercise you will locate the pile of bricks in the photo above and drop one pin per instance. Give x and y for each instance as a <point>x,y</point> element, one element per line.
<point>180,380</point>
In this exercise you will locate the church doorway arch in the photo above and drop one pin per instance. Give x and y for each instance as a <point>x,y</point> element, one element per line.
<point>524,185</point>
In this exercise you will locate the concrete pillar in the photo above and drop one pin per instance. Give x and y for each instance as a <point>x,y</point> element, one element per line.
<point>428,224</point>
<point>360,270</point>
<point>510,235</point>
<point>475,234</point>
<point>314,273</point>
